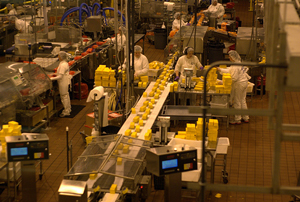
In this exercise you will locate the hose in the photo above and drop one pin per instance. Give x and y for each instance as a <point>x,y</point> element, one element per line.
<point>111,9</point>
<point>80,9</point>
<point>94,5</point>
<point>71,10</point>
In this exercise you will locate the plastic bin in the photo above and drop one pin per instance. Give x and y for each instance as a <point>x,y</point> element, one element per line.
<point>160,38</point>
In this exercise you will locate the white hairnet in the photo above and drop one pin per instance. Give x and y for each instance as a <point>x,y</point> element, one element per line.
<point>122,28</point>
<point>138,48</point>
<point>214,1</point>
<point>9,6</point>
<point>176,14</point>
<point>235,56</point>
<point>63,55</point>
<point>189,50</point>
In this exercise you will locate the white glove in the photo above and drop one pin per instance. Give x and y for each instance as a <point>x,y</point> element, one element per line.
<point>119,68</point>
<point>108,40</point>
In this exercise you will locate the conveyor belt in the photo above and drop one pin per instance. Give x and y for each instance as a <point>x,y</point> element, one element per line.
<point>154,112</point>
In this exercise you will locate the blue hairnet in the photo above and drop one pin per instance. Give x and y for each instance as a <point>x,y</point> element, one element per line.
<point>176,14</point>
<point>138,48</point>
<point>234,56</point>
<point>9,6</point>
<point>63,55</point>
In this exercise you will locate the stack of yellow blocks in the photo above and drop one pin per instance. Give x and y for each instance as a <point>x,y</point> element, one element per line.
<point>112,79</point>
<point>105,76</point>
<point>199,133</point>
<point>98,75</point>
<point>199,86</point>
<point>12,129</point>
<point>190,131</point>
<point>144,81</point>
<point>227,81</point>
<point>212,77</point>
<point>181,135</point>
<point>213,127</point>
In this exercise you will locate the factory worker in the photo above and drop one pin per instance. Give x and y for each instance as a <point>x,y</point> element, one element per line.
<point>121,41</point>
<point>239,85</point>
<point>64,80</point>
<point>216,10</point>
<point>176,23</point>
<point>11,9</point>
<point>141,63</point>
<point>188,60</point>
<point>22,25</point>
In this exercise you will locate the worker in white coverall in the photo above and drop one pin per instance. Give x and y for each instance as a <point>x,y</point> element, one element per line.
<point>121,41</point>
<point>239,85</point>
<point>178,22</point>
<point>64,80</point>
<point>188,60</point>
<point>216,10</point>
<point>11,9</point>
<point>141,63</point>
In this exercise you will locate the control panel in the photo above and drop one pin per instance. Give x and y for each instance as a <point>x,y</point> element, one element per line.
<point>171,159</point>
<point>28,146</point>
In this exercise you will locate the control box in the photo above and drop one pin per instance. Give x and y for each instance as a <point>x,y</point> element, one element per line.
<point>171,159</point>
<point>28,146</point>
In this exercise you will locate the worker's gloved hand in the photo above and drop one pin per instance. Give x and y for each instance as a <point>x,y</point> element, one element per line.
<point>176,78</point>
<point>188,24</point>
<point>201,68</point>
<point>119,68</point>
<point>108,40</point>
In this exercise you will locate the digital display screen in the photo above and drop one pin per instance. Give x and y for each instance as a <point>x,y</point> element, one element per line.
<point>19,151</point>
<point>173,163</point>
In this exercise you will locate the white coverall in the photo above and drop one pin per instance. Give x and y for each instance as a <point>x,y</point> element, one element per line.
<point>121,42</point>
<point>216,11</point>
<point>184,62</point>
<point>238,88</point>
<point>12,12</point>
<point>23,26</point>
<point>141,65</point>
<point>176,24</point>
<point>64,80</point>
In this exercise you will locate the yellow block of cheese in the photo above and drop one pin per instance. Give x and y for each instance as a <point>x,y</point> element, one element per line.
<point>133,110</point>
<point>131,126</point>
<point>141,123</point>
<point>134,134</point>
<point>120,146</point>
<point>137,128</point>
<point>146,103</point>
<point>126,149</point>
<point>113,187</point>
<point>128,131</point>
<point>144,117</point>
<point>136,119</point>
<point>143,108</point>
<point>119,161</point>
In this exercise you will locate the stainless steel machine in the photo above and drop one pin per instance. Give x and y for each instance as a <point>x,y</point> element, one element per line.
<point>28,148</point>
<point>171,161</point>
<point>112,159</point>
<point>24,86</point>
